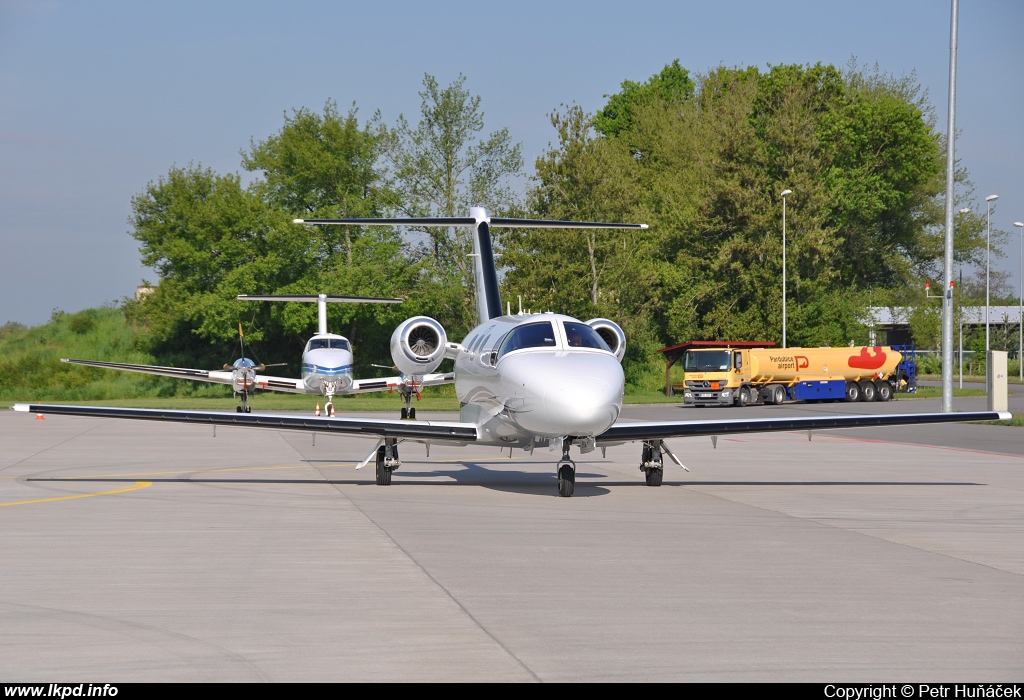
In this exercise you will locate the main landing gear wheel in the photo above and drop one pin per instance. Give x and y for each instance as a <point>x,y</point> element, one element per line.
<point>383,473</point>
<point>651,463</point>
<point>566,479</point>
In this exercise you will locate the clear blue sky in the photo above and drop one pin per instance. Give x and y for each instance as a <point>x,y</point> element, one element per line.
<point>101,97</point>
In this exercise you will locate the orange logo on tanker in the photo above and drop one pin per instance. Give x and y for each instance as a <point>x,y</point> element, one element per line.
<point>866,361</point>
<point>801,362</point>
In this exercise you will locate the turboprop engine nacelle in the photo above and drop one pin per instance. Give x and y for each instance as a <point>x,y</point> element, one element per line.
<point>610,333</point>
<point>418,345</point>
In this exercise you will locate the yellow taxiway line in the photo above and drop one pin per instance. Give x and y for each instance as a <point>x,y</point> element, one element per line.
<point>138,485</point>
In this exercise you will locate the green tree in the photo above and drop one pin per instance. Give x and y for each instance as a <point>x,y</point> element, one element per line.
<point>672,86</point>
<point>320,166</point>
<point>441,167</point>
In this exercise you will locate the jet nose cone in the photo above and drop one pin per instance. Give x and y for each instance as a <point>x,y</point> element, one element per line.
<point>578,394</point>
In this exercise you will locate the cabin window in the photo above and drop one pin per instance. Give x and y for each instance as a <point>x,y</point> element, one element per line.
<point>529,335</point>
<point>580,335</point>
<point>737,360</point>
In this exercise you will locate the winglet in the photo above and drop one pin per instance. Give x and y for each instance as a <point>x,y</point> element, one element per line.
<point>644,226</point>
<point>1005,415</point>
<point>23,407</point>
<point>298,221</point>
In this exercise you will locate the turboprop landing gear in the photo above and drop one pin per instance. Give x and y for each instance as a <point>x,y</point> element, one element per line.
<point>566,472</point>
<point>387,462</point>
<point>245,407</point>
<point>651,463</point>
<point>408,412</point>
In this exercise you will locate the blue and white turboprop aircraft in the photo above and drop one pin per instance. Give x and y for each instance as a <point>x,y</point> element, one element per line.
<point>524,381</point>
<point>326,364</point>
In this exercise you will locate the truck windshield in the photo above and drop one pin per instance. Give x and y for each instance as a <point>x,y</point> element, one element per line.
<point>706,361</point>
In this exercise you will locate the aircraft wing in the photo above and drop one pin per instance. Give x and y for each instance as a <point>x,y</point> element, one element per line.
<point>423,431</point>
<point>362,386</point>
<point>264,381</point>
<point>629,431</point>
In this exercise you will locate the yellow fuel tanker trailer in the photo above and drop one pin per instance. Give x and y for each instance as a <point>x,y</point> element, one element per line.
<point>739,376</point>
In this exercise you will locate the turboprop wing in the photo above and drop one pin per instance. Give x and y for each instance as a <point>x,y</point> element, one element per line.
<point>215,376</point>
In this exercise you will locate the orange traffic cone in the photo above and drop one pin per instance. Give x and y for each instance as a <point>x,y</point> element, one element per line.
<point>332,410</point>
<point>317,409</point>
<point>39,416</point>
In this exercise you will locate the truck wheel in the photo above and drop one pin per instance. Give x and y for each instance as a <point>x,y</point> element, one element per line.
<point>744,397</point>
<point>867,390</point>
<point>884,389</point>
<point>778,395</point>
<point>852,391</point>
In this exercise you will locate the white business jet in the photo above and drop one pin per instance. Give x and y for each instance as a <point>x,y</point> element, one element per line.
<point>524,381</point>
<point>326,364</point>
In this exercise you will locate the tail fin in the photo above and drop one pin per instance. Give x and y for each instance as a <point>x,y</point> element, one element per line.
<point>485,272</point>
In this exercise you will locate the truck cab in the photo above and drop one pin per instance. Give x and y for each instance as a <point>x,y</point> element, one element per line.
<point>716,377</point>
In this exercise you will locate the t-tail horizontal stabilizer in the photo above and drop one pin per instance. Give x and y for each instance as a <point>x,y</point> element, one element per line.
<point>488,300</point>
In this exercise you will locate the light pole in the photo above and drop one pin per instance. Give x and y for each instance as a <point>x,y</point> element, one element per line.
<point>1020,309</point>
<point>785,193</point>
<point>965,210</point>
<point>988,261</point>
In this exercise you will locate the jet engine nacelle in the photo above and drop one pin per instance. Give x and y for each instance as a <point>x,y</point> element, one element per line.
<point>610,333</point>
<point>418,345</point>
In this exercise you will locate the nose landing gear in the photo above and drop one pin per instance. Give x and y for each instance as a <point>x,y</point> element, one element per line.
<point>566,471</point>
<point>245,407</point>
<point>408,412</point>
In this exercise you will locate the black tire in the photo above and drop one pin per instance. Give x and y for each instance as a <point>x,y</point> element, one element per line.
<point>778,395</point>
<point>405,413</point>
<point>884,389</point>
<point>238,409</point>
<point>852,391</point>
<point>867,390</point>
<point>566,480</point>
<point>412,414</point>
<point>654,476</point>
<point>744,398</point>
<point>383,473</point>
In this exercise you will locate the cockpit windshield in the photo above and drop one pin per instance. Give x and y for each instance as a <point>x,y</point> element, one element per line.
<point>529,335</point>
<point>333,343</point>
<point>580,335</point>
<point>707,361</point>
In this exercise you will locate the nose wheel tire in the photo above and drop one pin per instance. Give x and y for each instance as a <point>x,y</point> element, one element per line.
<point>566,480</point>
<point>654,476</point>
